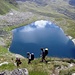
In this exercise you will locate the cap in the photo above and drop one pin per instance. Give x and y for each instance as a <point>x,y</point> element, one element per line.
<point>32,53</point>
<point>46,48</point>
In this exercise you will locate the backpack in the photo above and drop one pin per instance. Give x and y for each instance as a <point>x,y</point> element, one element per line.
<point>32,56</point>
<point>46,51</point>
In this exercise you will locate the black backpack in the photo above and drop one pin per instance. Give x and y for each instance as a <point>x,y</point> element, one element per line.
<point>32,56</point>
<point>46,51</point>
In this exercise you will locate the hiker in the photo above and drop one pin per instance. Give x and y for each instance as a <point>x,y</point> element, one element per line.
<point>18,62</point>
<point>44,54</point>
<point>30,57</point>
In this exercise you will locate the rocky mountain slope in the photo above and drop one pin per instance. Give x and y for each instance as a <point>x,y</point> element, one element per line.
<point>62,7</point>
<point>61,12</point>
<point>5,7</point>
<point>58,11</point>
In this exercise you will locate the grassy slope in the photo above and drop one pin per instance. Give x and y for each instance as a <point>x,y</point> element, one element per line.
<point>5,7</point>
<point>36,68</point>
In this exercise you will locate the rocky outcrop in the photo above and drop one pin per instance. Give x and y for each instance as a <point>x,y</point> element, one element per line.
<point>73,73</point>
<point>73,41</point>
<point>23,71</point>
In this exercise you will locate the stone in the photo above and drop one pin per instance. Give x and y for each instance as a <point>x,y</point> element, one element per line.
<point>73,73</point>
<point>23,71</point>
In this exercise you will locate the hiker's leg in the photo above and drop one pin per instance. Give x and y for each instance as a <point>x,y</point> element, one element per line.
<point>17,64</point>
<point>29,61</point>
<point>45,59</point>
<point>42,59</point>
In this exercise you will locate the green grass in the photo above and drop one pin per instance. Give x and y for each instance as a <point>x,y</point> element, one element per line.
<point>37,73</point>
<point>3,50</point>
<point>5,7</point>
<point>7,67</point>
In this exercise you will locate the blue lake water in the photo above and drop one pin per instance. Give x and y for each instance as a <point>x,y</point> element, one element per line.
<point>32,37</point>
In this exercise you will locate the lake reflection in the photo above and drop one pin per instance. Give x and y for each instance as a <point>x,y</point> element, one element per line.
<point>39,34</point>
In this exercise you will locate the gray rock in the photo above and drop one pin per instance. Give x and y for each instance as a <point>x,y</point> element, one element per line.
<point>5,73</point>
<point>23,71</point>
<point>73,73</point>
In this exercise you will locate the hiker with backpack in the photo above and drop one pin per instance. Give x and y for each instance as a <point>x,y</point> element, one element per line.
<point>30,57</point>
<point>44,54</point>
<point>18,62</point>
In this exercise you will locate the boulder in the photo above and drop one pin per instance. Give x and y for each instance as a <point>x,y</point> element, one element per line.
<point>23,71</point>
<point>73,73</point>
<point>6,72</point>
<point>73,41</point>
